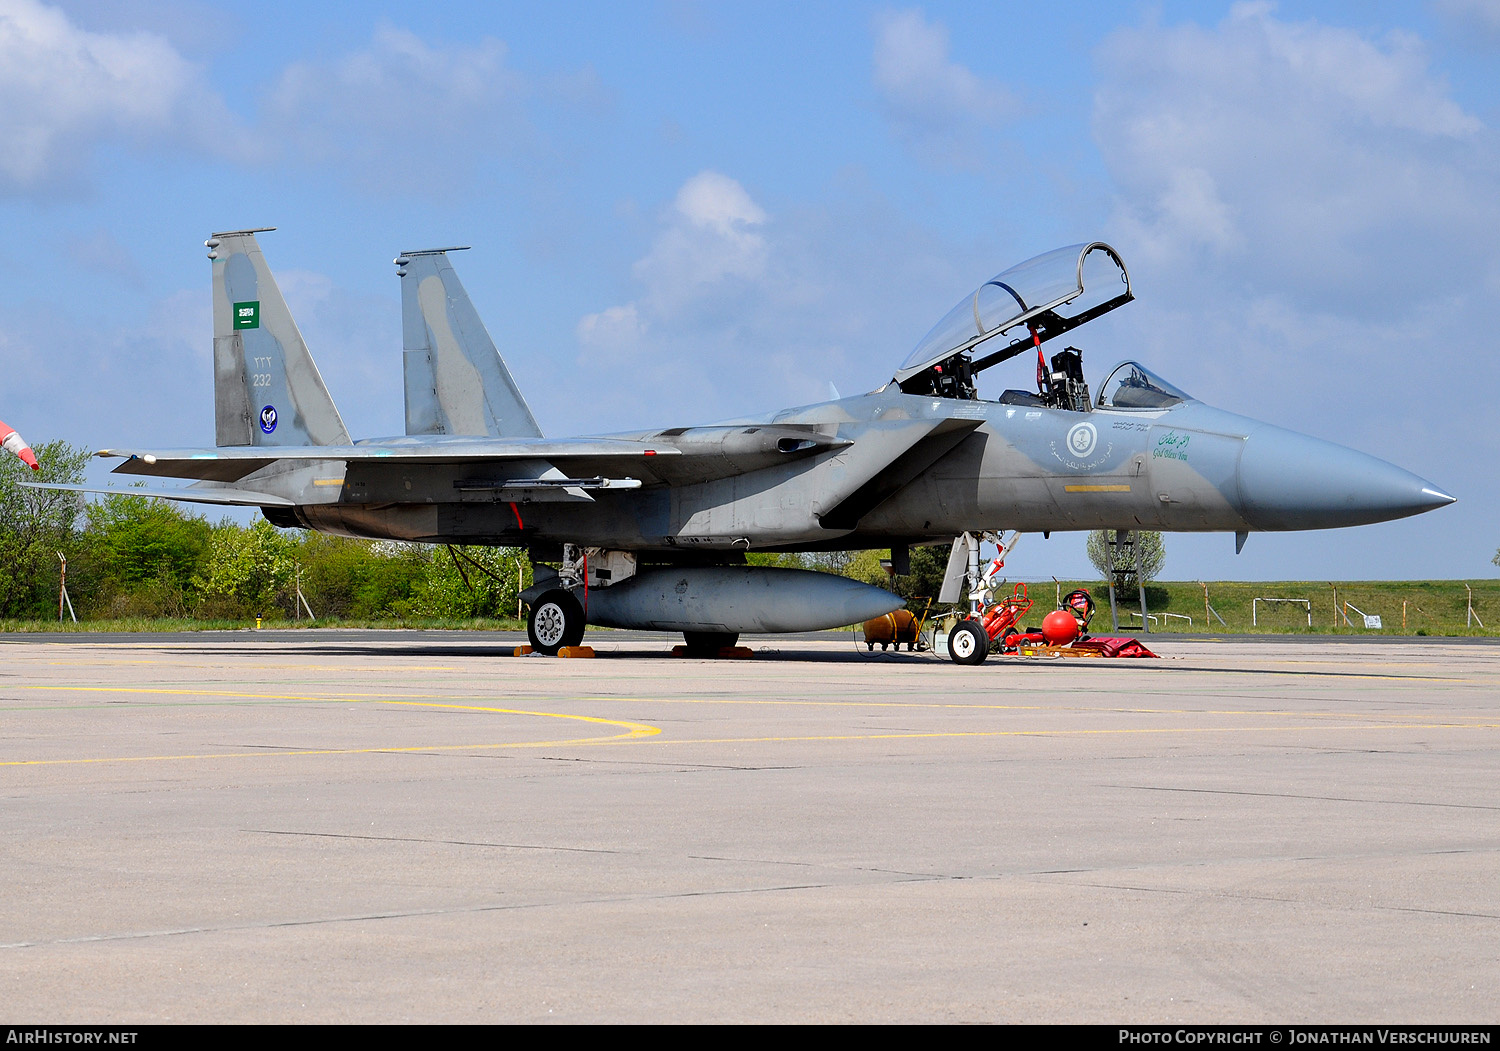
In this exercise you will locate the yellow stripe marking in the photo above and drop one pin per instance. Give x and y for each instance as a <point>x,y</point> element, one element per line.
<point>1066,733</point>
<point>1096,488</point>
<point>631,730</point>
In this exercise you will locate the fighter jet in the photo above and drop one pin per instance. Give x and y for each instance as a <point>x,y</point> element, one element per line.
<point>650,530</point>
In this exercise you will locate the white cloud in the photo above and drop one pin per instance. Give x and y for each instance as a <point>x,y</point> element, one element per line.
<point>1308,215</point>
<point>712,239</point>
<point>69,376</point>
<point>613,332</point>
<point>1474,18</point>
<point>351,336</point>
<point>401,113</point>
<point>102,253</point>
<point>933,102</point>
<point>711,249</point>
<point>716,202</point>
<point>740,311</point>
<point>64,91</point>
<point>1325,163</point>
<point>705,272</point>
<point>1310,195</point>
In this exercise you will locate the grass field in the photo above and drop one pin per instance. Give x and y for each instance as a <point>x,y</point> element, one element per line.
<point>1405,607</point>
<point>127,624</point>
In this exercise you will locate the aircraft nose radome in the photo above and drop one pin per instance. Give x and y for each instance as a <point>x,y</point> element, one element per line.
<point>1292,481</point>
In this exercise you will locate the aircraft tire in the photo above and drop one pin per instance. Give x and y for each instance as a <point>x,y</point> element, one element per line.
<point>968,644</point>
<point>556,621</point>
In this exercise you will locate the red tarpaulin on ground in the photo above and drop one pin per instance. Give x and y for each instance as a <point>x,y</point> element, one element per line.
<point>1104,646</point>
<point>1114,647</point>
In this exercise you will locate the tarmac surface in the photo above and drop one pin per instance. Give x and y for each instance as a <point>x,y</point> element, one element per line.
<point>378,827</point>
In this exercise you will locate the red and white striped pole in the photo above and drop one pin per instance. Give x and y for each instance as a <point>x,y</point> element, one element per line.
<point>12,442</point>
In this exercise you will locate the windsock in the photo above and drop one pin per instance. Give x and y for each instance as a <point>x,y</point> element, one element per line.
<point>12,442</point>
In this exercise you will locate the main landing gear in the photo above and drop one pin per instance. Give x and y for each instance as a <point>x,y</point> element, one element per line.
<point>556,621</point>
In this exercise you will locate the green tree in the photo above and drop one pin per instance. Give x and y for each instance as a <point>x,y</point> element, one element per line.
<point>35,524</point>
<point>140,556</point>
<point>865,567</point>
<point>470,581</point>
<point>245,570</point>
<point>777,559</point>
<point>925,581</point>
<point>1152,551</point>
<point>360,579</point>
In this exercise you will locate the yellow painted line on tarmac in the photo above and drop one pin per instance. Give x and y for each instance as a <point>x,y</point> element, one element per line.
<point>242,669</point>
<point>1060,709</point>
<point>639,733</point>
<point>1060,733</point>
<point>631,730</point>
<point>350,698</point>
<point>436,701</point>
<point>642,732</point>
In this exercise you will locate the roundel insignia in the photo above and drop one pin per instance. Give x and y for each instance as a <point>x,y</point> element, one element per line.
<point>1082,438</point>
<point>268,419</point>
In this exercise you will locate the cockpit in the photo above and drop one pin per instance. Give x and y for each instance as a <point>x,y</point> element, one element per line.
<point>1018,310</point>
<point>1133,386</point>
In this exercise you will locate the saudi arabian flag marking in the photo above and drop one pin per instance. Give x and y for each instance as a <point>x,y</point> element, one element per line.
<point>247,315</point>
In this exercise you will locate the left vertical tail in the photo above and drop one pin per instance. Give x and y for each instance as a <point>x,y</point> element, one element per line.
<point>267,388</point>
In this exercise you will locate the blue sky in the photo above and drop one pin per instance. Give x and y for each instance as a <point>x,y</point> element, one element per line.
<point>683,212</point>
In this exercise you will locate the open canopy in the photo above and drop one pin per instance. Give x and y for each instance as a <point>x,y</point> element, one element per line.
<point>1044,295</point>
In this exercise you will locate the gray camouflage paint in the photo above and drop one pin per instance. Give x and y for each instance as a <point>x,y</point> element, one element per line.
<point>882,469</point>
<point>951,466</point>
<point>456,380</point>
<point>267,390</point>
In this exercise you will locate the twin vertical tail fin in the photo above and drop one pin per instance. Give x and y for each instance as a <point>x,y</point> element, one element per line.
<point>456,381</point>
<point>267,389</point>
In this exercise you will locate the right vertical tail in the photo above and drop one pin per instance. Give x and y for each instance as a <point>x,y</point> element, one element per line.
<point>456,381</point>
<point>267,389</point>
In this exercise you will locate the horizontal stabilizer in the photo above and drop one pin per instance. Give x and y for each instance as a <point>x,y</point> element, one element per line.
<point>229,497</point>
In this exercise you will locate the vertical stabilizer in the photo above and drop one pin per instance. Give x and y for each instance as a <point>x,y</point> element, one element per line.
<point>456,381</point>
<point>267,390</point>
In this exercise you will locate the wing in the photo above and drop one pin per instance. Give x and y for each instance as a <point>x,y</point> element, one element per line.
<point>506,468</point>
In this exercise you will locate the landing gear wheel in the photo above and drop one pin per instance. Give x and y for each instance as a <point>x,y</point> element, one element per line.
<point>556,621</point>
<point>708,643</point>
<point>968,644</point>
